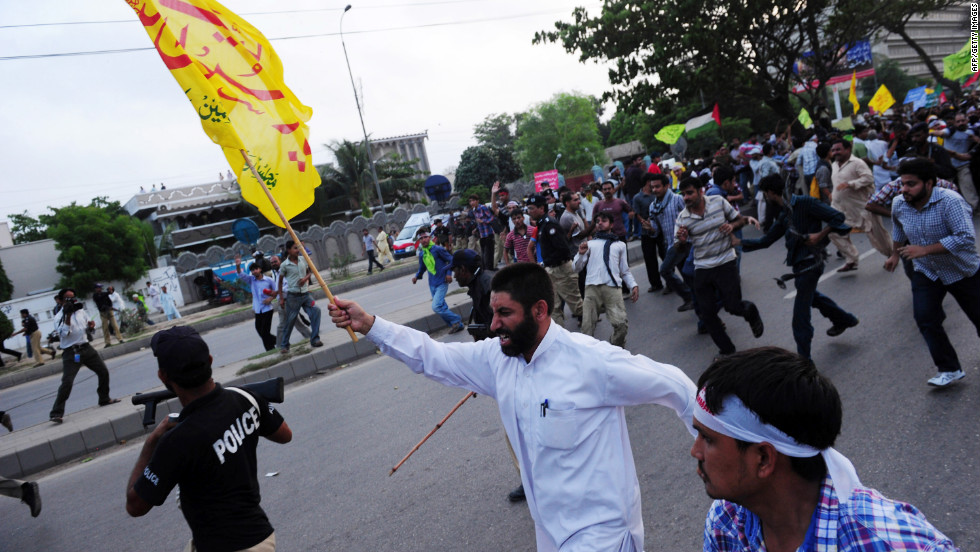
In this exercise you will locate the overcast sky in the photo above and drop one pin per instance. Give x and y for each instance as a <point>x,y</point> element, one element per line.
<point>76,127</point>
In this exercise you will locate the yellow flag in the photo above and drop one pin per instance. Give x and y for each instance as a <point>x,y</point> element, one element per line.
<point>882,100</point>
<point>853,97</point>
<point>670,134</point>
<point>234,79</point>
<point>804,118</point>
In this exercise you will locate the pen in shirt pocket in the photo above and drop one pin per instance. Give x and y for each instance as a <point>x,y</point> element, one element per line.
<point>544,408</point>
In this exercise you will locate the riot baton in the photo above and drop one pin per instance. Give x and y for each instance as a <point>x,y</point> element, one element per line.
<point>272,390</point>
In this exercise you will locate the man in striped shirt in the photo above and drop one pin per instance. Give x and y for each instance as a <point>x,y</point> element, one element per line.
<point>706,224</point>
<point>518,238</point>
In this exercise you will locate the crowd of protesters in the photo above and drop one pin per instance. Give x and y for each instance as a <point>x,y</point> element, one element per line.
<point>814,187</point>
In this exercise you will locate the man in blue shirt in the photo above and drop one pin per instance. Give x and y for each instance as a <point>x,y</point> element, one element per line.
<point>801,219</point>
<point>436,261</point>
<point>263,289</point>
<point>932,226</point>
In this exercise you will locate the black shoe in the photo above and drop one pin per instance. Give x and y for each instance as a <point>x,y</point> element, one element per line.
<point>19,356</point>
<point>836,330</point>
<point>56,419</point>
<point>654,289</point>
<point>667,291</point>
<point>5,422</point>
<point>316,343</point>
<point>517,495</point>
<point>755,321</point>
<point>456,328</point>
<point>31,496</point>
<point>108,402</point>
<point>688,305</point>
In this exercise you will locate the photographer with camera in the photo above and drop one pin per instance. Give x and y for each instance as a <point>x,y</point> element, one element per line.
<point>801,219</point>
<point>76,352</point>
<point>209,450</point>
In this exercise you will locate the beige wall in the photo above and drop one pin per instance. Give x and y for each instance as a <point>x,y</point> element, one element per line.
<point>31,266</point>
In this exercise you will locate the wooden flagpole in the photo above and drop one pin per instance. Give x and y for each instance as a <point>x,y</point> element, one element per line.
<point>424,439</point>
<point>292,233</point>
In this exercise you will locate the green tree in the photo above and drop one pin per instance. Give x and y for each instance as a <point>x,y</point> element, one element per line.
<point>6,326</point>
<point>348,184</point>
<point>6,288</point>
<point>398,178</point>
<point>99,242</point>
<point>484,165</point>
<point>482,191</point>
<point>680,50</point>
<point>27,228</point>
<point>625,127</point>
<point>566,124</point>
<point>496,130</point>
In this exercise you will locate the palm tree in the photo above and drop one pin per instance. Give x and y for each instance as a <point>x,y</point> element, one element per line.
<point>348,184</point>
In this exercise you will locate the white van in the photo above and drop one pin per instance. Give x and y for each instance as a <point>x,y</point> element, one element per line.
<point>407,243</point>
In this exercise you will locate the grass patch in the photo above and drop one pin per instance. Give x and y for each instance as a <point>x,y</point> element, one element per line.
<point>226,313</point>
<point>264,354</point>
<point>272,360</point>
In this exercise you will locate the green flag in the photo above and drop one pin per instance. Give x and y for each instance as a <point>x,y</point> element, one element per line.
<point>956,66</point>
<point>670,134</point>
<point>804,118</point>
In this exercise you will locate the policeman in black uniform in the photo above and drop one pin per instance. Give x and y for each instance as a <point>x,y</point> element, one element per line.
<point>209,451</point>
<point>557,258</point>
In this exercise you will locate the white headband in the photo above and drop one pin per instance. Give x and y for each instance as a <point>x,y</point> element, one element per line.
<point>738,422</point>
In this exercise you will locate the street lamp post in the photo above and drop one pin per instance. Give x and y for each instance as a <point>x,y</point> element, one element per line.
<point>555,164</point>
<point>357,101</point>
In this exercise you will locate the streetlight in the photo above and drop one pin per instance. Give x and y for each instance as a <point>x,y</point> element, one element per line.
<point>555,165</point>
<point>597,173</point>
<point>357,101</point>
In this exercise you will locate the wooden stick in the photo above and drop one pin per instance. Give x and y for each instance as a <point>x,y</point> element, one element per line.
<point>289,228</point>
<point>442,421</point>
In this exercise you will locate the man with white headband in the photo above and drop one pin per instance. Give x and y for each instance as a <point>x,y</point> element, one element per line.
<point>766,422</point>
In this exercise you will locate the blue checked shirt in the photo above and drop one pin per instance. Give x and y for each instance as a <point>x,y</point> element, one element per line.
<point>484,218</point>
<point>946,219</point>
<point>664,212</point>
<point>892,189</point>
<point>867,522</point>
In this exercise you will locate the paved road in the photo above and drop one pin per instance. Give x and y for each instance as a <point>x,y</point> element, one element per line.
<point>30,403</point>
<point>332,493</point>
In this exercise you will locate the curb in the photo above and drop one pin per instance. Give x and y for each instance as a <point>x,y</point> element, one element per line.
<point>71,441</point>
<point>79,436</point>
<point>53,367</point>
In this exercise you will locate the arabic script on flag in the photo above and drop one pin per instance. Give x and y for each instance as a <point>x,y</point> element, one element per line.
<point>234,79</point>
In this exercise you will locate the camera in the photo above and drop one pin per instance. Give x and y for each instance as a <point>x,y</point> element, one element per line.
<point>71,304</point>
